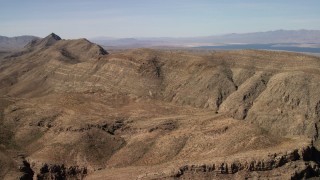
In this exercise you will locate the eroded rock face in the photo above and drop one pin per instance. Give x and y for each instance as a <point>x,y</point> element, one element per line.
<point>75,111</point>
<point>301,171</point>
<point>270,163</point>
<point>288,165</point>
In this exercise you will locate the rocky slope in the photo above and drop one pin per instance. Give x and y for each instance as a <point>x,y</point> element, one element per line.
<point>69,109</point>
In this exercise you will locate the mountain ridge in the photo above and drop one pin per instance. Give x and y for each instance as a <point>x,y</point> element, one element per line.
<point>13,43</point>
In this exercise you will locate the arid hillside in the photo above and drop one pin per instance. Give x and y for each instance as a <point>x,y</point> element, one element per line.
<point>71,110</point>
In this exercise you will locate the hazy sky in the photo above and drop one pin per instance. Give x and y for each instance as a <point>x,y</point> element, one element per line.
<point>154,18</point>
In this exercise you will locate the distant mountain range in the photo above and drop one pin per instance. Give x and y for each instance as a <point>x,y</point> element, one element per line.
<point>269,37</point>
<point>278,38</point>
<point>11,43</point>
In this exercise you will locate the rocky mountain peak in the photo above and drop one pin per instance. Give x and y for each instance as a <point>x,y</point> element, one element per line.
<point>50,39</point>
<point>54,36</point>
<point>44,42</point>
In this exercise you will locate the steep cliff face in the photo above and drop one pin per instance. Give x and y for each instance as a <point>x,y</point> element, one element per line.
<point>73,110</point>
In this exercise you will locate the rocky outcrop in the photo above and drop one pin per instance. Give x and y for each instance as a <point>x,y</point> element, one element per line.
<point>309,169</point>
<point>110,128</point>
<point>27,171</point>
<point>56,172</point>
<point>295,170</point>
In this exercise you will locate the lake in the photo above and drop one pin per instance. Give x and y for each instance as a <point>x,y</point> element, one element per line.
<point>262,47</point>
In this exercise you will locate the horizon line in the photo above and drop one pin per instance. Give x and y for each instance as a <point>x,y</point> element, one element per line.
<point>137,37</point>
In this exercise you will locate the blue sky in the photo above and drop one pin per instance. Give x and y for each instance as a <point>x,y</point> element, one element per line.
<point>154,18</point>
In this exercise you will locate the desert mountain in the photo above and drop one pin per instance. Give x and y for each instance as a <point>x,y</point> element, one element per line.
<point>13,43</point>
<point>71,110</point>
<point>47,41</point>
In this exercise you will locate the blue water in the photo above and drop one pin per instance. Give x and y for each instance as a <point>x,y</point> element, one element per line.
<point>262,46</point>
